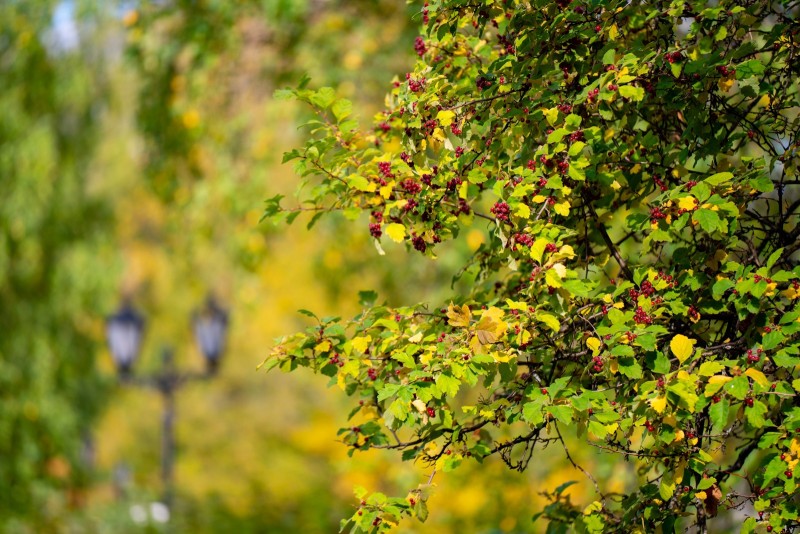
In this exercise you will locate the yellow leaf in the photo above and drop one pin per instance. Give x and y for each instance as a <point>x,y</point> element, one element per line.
<point>459,316</point>
<point>614,367</point>
<point>361,343</point>
<point>552,279</point>
<point>613,32</point>
<point>501,357</point>
<point>562,208</point>
<point>537,249</point>
<point>679,435</point>
<point>323,346</point>
<point>701,495</point>
<point>681,467</point>
<point>491,326</point>
<point>560,270</point>
<point>681,347</point>
<point>396,231</point>
<point>596,506</point>
<point>521,306</point>
<point>445,117</point>
<point>757,377</point>
<point>463,190</point>
<point>565,252</point>
<point>715,383</point>
<point>687,203</point>
<point>719,379</point>
<point>539,199</point>
<point>550,320</point>
<point>419,405</point>
<point>522,210</point>
<point>386,191</point>
<point>725,83</point>
<point>594,345</point>
<point>659,404</point>
<point>615,185</point>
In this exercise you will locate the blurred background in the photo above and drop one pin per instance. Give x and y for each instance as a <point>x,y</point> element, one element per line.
<point>138,142</point>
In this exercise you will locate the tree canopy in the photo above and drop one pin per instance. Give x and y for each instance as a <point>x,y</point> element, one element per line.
<point>634,168</point>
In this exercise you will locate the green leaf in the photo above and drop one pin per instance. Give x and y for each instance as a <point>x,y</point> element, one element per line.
<point>630,368</point>
<point>667,487</point>
<point>749,68</point>
<point>632,92</point>
<point>359,182</point>
<point>533,412</point>
<point>772,340</point>
<point>323,98</point>
<point>710,368</point>
<point>448,385</point>
<point>774,467</point>
<point>718,412</point>
<point>561,412</point>
<point>341,109</point>
<point>576,148</point>
<point>367,298</point>
<point>719,178</point>
<point>755,414</point>
<point>557,135</point>
<point>549,319</point>
<point>476,176</point>
<point>598,429</point>
<point>708,220</point>
<point>769,439</point>
<point>658,362</point>
<point>738,387</point>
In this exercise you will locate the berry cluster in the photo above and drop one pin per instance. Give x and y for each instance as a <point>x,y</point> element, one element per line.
<point>592,97</point>
<point>482,82</point>
<point>419,46</point>
<point>655,214</point>
<point>336,360</point>
<point>523,239</point>
<point>659,182</point>
<point>501,211</point>
<point>597,362</point>
<point>646,289</point>
<point>415,86</point>
<point>754,356</point>
<point>411,186</point>
<point>726,71</point>
<point>642,317</point>
<point>419,243</point>
<point>673,57</point>
<point>385,168</point>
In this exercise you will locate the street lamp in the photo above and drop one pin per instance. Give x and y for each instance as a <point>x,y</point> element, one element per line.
<point>124,332</point>
<point>210,326</point>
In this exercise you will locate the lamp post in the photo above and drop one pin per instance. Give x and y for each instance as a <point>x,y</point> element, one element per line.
<point>124,333</point>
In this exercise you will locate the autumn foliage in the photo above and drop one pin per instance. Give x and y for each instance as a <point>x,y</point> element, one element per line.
<point>634,166</point>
